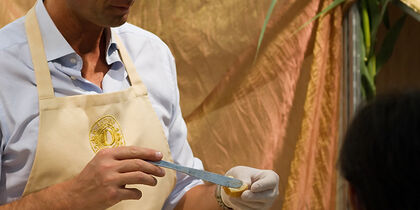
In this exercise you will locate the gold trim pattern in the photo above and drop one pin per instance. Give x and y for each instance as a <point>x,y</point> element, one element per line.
<point>106,133</point>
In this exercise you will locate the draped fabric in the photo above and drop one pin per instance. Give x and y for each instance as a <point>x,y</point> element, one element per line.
<point>279,113</point>
<point>414,4</point>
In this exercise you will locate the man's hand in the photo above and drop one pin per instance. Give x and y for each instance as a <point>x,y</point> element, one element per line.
<point>262,192</point>
<point>101,184</point>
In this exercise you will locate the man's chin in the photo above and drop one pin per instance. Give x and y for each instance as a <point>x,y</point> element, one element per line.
<point>115,22</point>
<point>118,24</point>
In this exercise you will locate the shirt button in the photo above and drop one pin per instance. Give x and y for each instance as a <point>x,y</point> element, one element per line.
<point>73,77</point>
<point>73,60</point>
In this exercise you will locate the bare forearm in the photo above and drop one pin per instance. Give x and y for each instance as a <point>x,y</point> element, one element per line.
<point>54,197</point>
<point>200,197</point>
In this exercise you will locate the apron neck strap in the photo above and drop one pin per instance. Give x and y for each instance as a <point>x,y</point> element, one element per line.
<point>42,71</point>
<point>129,66</point>
<point>39,59</point>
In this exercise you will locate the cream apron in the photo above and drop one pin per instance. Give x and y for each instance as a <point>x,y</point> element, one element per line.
<point>72,129</point>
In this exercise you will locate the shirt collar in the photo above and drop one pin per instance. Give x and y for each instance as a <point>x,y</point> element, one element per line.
<point>55,44</point>
<point>112,50</point>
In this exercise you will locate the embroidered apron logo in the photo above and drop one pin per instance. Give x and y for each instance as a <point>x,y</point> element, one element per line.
<point>106,133</point>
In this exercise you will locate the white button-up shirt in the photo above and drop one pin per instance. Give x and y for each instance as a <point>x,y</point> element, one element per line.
<point>19,114</point>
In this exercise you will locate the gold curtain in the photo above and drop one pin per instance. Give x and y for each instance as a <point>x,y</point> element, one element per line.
<point>280,113</point>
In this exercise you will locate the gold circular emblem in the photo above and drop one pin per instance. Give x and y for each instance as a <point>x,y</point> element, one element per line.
<point>106,133</point>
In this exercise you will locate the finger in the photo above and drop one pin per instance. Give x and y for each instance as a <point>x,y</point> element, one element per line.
<point>129,194</point>
<point>132,152</point>
<point>136,178</point>
<point>131,165</point>
<point>259,196</point>
<point>264,181</point>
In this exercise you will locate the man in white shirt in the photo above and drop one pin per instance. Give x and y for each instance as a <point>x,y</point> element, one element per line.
<point>83,60</point>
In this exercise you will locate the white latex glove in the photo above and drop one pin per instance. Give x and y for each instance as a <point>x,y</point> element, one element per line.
<point>262,192</point>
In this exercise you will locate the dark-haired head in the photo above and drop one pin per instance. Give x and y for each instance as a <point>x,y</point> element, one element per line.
<point>380,156</point>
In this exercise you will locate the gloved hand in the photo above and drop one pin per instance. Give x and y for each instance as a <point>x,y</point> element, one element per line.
<point>260,195</point>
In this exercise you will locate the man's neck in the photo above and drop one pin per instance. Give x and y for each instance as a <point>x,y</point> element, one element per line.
<point>83,36</point>
<point>87,39</point>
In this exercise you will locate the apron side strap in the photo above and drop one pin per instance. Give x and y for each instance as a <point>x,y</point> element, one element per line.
<point>134,77</point>
<point>39,59</point>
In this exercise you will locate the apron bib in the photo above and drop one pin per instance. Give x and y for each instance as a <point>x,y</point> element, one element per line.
<point>72,129</point>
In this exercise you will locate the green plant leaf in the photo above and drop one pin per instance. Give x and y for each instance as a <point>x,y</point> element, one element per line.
<point>371,66</point>
<point>373,7</point>
<point>333,5</point>
<point>365,26</point>
<point>389,42</point>
<point>267,18</point>
<point>386,21</point>
<point>367,82</point>
<point>376,22</point>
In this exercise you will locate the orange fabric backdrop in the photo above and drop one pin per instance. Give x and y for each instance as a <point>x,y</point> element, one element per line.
<point>280,114</point>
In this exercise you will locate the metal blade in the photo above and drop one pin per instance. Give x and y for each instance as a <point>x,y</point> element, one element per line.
<point>204,175</point>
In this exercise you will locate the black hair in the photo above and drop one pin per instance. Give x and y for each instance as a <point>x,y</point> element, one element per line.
<point>380,155</point>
